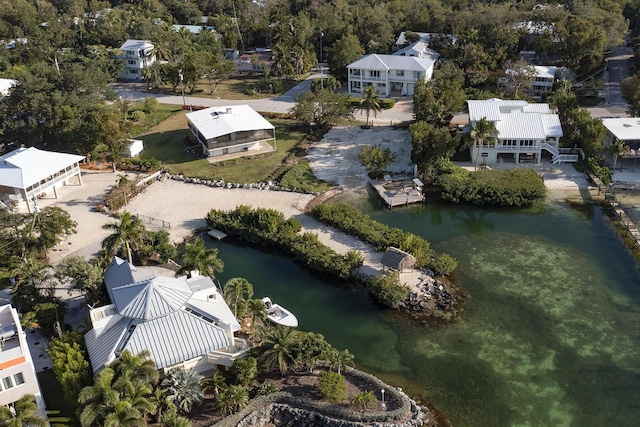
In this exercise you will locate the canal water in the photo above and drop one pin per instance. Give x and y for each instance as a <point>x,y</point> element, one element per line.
<point>550,335</point>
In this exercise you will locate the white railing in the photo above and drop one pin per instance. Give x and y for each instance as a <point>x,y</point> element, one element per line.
<point>550,148</point>
<point>576,151</point>
<point>565,158</point>
<point>227,356</point>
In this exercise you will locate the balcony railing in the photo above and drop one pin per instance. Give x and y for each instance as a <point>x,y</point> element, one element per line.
<point>212,145</point>
<point>227,356</point>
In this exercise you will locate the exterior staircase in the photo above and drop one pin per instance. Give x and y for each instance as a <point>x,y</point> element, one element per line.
<point>563,155</point>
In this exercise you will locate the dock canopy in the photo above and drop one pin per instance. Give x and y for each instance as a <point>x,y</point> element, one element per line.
<point>396,259</point>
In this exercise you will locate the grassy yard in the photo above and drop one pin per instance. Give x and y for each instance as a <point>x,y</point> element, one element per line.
<point>161,113</point>
<point>239,87</point>
<point>165,142</point>
<point>59,411</point>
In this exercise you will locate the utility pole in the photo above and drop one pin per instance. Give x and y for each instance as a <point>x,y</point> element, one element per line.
<point>184,102</point>
<point>321,68</point>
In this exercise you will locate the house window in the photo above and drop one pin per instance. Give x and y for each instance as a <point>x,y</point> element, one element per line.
<point>7,383</point>
<point>129,52</point>
<point>130,62</point>
<point>400,73</point>
<point>374,73</point>
<point>416,75</point>
<point>18,379</point>
<point>133,71</point>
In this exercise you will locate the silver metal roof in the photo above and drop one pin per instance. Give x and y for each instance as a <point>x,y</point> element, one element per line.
<point>151,299</point>
<point>418,49</point>
<point>217,121</point>
<point>136,45</point>
<point>391,62</point>
<point>101,348</point>
<point>519,125</point>
<point>517,119</point>
<point>175,338</point>
<point>24,167</point>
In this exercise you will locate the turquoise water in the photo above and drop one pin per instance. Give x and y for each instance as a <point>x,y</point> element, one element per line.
<point>550,334</point>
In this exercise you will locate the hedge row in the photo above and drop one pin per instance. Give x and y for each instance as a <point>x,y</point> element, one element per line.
<point>268,227</point>
<point>513,187</point>
<point>350,220</point>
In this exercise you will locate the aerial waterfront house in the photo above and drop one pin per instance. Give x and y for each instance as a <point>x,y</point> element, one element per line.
<point>626,130</point>
<point>27,174</point>
<point>525,131</point>
<point>181,321</point>
<point>137,55</point>
<point>233,129</point>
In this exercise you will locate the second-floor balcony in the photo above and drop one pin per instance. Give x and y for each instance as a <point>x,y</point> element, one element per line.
<point>227,356</point>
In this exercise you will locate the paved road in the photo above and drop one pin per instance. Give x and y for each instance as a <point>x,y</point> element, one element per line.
<point>401,112</point>
<point>618,68</point>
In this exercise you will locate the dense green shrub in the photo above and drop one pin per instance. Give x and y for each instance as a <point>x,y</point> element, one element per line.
<point>266,387</point>
<point>350,220</point>
<point>599,169</point>
<point>244,371</point>
<point>268,227</point>
<point>332,387</point>
<point>364,401</point>
<point>513,187</point>
<point>444,264</point>
<point>299,177</point>
<point>387,290</point>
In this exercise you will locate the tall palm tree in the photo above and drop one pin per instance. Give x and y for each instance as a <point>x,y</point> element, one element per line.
<point>483,132</point>
<point>616,148</point>
<point>279,347</point>
<point>257,312</point>
<point>136,369</point>
<point>237,292</point>
<point>370,102</point>
<point>341,359</point>
<point>128,232</point>
<point>98,400</point>
<point>24,413</point>
<point>182,388</point>
<point>199,257</point>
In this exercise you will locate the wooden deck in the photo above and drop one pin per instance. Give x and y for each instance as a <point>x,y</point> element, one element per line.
<point>403,194</point>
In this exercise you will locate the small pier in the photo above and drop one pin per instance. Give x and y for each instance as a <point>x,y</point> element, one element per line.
<point>399,192</point>
<point>216,234</point>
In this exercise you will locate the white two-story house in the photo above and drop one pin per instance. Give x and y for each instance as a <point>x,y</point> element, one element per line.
<point>390,73</point>
<point>137,55</point>
<point>523,131</point>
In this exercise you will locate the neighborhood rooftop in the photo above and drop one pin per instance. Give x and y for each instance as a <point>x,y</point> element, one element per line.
<point>392,62</point>
<point>24,167</point>
<point>624,129</point>
<point>216,121</point>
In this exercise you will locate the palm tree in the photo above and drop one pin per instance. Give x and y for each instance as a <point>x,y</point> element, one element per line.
<point>128,232</point>
<point>483,132</point>
<point>341,359</point>
<point>237,292</point>
<point>257,312</point>
<point>171,419</point>
<point>233,399</point>
<point>23,414</point>
<point>216,384</point>
<point>370,102</point>
<point>182,388</point>
<point>616,148</point>
<point>98,400</point>
<point>137,369</point>
<point>199,257</point>
<point>279,347</point>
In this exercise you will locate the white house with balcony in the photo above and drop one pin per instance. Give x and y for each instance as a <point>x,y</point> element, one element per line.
<point>137,55</point>
<point>28,174</point>
<point>17,371</point>
<point>524,132</point>
<point>545,75</point>
<point>182,321</point>
<point>390,74</point>
<point>234,129</point>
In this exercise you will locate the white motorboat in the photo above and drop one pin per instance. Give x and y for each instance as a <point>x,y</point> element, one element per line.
<point>278,314</point>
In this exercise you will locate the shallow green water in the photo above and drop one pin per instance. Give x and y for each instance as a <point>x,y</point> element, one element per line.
<point>550,334</point>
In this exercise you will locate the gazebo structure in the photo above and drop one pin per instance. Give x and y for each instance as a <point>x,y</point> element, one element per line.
<point>29,173</point>
<point>397,259</point>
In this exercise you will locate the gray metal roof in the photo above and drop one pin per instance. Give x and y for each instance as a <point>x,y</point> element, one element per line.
<point>418,49</point>
<point>552,126</point>
<point>121,273</point>
<point>136,45</point>
<point>24,167</point>
<point>217,309</point>
<point>102,347</point>
<point>151,299</point>
<point>176,337</point>
<point>519,125</point>
<point>391,62</point>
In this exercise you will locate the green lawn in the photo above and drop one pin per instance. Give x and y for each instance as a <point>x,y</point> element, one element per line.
<point>160,114</point>
<point>240,87</point>
<point>59,411</point>
<point>165,142</point>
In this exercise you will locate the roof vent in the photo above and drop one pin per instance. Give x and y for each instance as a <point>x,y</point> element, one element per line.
<point>228,110</point>
<point>627,125</point>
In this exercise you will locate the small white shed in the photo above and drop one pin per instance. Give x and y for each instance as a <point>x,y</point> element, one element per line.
<point>134,147</point>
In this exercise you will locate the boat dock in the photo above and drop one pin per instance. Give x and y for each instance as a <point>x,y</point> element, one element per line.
<point>216,234</point>
<point>399,193</point>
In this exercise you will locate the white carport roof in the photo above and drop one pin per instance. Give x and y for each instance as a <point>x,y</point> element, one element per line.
<point>217,121</point>
<point>24,167</point>
<point>625,129</point>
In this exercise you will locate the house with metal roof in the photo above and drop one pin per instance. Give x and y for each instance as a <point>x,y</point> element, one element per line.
<point>137,55</point>
<point>626,130</point>
<point>27,174</point>
<point>17,371</point>
<point>180,320</point>
<point>403,40</point>
<point>418,49</point>
<point>234,129</point>
<point>389,73</point>
<point>523,131</point>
